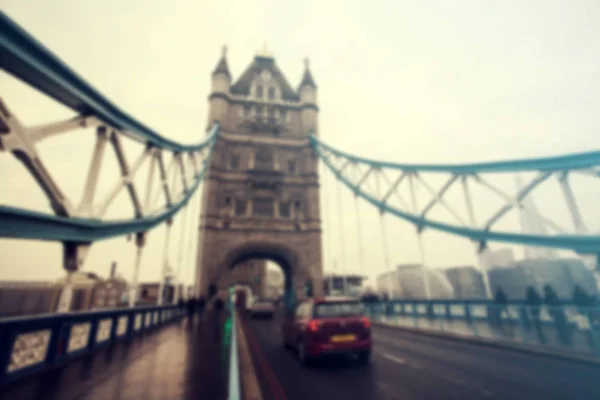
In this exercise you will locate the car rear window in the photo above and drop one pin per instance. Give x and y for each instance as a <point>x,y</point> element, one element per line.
<point>338,309</point>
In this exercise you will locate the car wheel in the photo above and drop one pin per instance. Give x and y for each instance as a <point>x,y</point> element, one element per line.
<point>302,357</point>
<point>364,357</point>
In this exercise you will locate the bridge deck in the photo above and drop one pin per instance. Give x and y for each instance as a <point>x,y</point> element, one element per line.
<point>180,361</point>
<point>407,366</point>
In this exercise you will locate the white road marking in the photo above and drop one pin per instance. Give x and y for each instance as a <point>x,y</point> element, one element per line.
<point>395,359</point>
<point>457,382</point>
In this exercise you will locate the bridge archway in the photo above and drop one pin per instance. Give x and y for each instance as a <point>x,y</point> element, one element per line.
<point>293,265</point>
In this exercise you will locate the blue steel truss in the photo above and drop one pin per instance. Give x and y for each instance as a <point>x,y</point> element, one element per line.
<point>28,60</point>
<point>588,162</point>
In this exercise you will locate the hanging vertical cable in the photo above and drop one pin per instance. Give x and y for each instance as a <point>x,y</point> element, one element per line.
<point>342,241</point>
<point>361,253</point>
<point>165,265</point>
<point>327,220</point>
<point>178,279</point>
<point>195,204</point>
<point>386,256</point>
<point>413,193</point>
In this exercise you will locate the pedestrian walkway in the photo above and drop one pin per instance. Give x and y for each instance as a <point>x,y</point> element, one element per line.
<point>181,361</point>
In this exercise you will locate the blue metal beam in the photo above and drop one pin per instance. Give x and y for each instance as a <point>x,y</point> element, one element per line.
<point>24,57</point>
<point>25,224</point>
<point>556,163</point>
<point>584,244</point>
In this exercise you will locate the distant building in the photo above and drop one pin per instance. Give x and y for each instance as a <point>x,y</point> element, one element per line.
<point>251,273</point>
<point>148,293</point>
<point>90,292</point>
<point>274,283</point>
<point>502,258</point>
<point>335,284</point>
<point>561,274</point>
<point>467,282</point>
<point>407,282</point>
<point>28,298</point>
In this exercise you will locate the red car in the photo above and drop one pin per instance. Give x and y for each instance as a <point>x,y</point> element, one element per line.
<point>319,327</point>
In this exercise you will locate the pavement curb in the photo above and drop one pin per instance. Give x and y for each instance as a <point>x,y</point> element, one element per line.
<point>249,381</point>
<point>595,362</point>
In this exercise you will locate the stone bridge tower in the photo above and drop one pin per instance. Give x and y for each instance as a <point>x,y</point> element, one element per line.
<point>261,195</point>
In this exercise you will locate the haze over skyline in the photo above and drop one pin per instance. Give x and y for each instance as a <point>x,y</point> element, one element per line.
<point>437,83</point>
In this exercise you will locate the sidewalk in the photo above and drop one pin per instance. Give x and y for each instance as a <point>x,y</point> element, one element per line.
<point>180,361</point>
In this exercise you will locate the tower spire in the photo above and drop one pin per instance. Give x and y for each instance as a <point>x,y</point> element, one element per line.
<point>307,79</point>
<point>222,67</point>
<point>264,52</point>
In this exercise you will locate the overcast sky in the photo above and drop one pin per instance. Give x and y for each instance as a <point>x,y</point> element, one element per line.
<point>416,81</point>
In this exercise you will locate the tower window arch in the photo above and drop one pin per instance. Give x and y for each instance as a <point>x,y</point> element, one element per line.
<point>259,91</point>
<point>292,167</point>
<point>263,207</point>
<point>240,207</point>
<point>263,158</point>
<point>235,162</point>
<point>271,93</point>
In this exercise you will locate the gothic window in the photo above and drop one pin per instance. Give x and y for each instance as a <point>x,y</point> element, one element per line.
<point>292,167</point>
<point>298,205</point>
<point>235,162</point>
<point>263,159</point>
<point>259,112</point>
<point>259,91</point>
<point>227,201</point>
<point>263,207</point>
<point>240,207</point>
<point>285,209</point>
<point>271,93</point>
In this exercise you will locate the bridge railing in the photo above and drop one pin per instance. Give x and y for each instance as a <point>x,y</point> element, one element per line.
<point>564,327</point>
<point>30,345</point>
<point>233,384</point>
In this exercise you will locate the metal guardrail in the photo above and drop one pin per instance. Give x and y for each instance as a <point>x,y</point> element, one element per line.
<point>565,327</point>
<point>233,387</point>
<point>30,345</point>
<point>234,392</point>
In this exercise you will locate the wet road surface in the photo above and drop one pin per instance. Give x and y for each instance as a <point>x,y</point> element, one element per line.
<point>406,366</point>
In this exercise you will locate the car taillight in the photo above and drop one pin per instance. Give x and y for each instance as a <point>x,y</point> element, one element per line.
<point>366,322</point>
<point>313,325</point>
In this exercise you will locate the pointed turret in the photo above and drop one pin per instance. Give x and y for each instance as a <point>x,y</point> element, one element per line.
<point>307,78</point>
<point>308,100</point>
<point>219,96</point>
<point>222,67</point>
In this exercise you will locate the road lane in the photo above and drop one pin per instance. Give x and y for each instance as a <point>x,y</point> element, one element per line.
<point>406,366</point>
<point>495,368</point>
